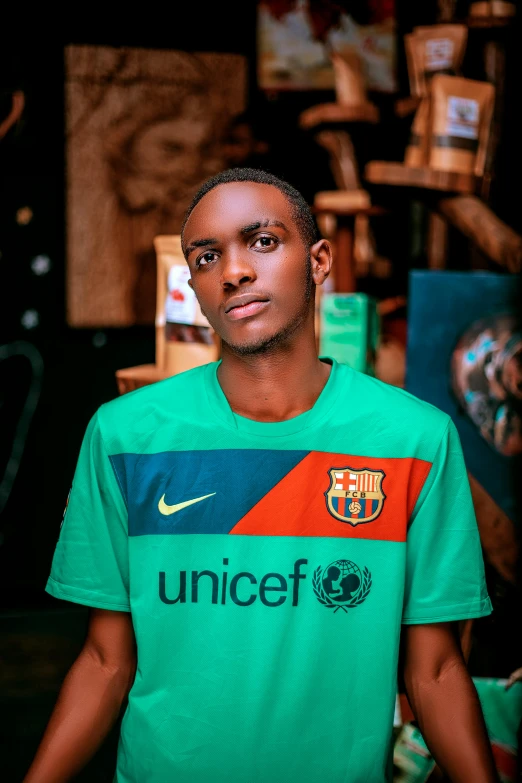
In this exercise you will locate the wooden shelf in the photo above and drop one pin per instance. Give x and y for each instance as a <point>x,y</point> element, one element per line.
<point>333,200</point>
<point>384,172</point>
<point>488,22</point>
<point>346,211</point>
<point>338,112</point>
<point>406,106</point>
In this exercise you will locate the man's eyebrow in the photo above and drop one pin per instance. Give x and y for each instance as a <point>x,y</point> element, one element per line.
<point>243,230</point>
<point>199,243</point>
<point>262,224</point>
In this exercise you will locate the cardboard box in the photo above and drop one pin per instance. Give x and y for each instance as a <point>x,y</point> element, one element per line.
<point>349,330</point>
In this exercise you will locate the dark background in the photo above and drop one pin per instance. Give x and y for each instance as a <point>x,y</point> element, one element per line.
<point>79,365</point>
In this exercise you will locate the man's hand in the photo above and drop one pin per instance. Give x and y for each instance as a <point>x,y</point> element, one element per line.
<point>514,677</point>
<point>445,703</point>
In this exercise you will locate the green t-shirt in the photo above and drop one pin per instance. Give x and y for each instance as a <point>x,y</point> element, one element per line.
<point>268,568</point>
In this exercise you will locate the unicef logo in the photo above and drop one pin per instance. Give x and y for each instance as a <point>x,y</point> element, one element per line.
<point>341,585</point>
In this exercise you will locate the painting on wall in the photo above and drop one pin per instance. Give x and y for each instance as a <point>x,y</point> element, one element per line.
<point>295,37</point>
<point>464,355</point>
<point>144,129</point>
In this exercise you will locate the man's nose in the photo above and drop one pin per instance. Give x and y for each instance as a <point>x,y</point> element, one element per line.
<point>237,268</point>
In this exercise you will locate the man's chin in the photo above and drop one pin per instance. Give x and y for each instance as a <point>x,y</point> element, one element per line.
<point>252,347</point>
<point>266,343</point>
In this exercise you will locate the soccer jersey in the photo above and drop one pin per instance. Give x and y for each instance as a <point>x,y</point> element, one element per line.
<point>268,568</point>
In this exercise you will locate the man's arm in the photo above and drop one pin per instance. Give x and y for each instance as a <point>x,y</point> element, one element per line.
<point>445,703</point>
<point>90,699</point>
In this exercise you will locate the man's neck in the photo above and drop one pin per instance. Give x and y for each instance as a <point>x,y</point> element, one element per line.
<point>274,386</point>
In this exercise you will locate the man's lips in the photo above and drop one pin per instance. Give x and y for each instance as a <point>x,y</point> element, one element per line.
<point>242,311</point>
<point>243,305</point>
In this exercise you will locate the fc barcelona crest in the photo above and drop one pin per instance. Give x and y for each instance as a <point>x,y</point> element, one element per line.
<point>355,496</point>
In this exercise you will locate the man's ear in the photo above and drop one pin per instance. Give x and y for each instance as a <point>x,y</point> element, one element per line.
<point>321,259</point>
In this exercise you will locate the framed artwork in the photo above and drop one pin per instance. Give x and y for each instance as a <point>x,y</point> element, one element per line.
<point>294,38</point>
<point>144,129</point>
<point>464,355</point>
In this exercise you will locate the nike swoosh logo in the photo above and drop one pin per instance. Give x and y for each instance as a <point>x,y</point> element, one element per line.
<point>166,510</point>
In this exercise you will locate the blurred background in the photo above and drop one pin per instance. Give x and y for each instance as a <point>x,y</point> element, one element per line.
<point>398,122</point>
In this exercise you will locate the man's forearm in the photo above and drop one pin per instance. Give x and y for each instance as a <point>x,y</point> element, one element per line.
<point>87,707</point>
<point>450,718</point>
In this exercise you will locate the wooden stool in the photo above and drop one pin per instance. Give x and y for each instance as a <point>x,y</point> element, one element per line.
<point>386,172</point>
<point>383,172</point>
<point>351,106</point>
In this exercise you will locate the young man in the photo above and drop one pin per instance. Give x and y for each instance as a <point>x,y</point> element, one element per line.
<point>261,527</point>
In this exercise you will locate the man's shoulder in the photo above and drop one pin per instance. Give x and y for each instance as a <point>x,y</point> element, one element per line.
<point>398,407</point>
<point>136,413</point>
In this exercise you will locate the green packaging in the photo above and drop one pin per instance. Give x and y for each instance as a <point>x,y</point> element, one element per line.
<point>349,330</point>
<point>412,761</point>
<point>502,709</point>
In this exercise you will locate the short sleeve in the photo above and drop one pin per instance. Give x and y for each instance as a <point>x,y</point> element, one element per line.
<point>445,577</point>
<point>90,564</point>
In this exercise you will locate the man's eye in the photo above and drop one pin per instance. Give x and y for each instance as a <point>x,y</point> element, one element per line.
<point>264,242</point>
<point>206,258</point>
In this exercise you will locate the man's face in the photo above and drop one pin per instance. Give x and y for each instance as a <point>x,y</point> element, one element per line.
<point>242,243</point>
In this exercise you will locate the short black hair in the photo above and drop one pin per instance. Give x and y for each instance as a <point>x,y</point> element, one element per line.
<point>300,209</point>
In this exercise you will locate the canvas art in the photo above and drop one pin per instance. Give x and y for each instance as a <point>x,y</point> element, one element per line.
<point>295,37</point>
<point>464,355</point>
<point>144,129</point>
